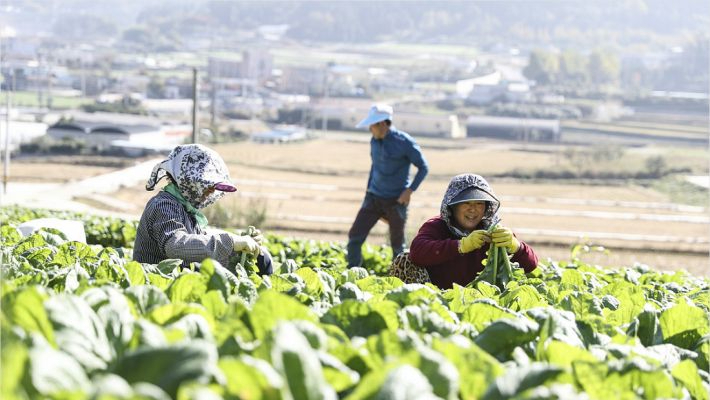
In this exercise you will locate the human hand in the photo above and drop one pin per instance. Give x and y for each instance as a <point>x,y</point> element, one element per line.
<point>405,196</point>
<point>246,244</point>
<point>255,234</point>
<point>503,237</point>
<point>473,241</point>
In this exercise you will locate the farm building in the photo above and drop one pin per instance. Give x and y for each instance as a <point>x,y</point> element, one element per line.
<point>416,124</point>
<point>255,64</point>
<point>302,80</point>
<point>281,134</point>
<point>345,113</point>
<point>133,139</point>
<point>525,129</point>
<point>446,126</point>
<point>493,88</point>
<point>20,132</point>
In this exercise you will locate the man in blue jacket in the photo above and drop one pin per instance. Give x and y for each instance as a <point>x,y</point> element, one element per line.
<point>389,187</point>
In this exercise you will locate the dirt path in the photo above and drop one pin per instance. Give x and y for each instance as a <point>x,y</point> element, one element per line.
<point>64,195</point>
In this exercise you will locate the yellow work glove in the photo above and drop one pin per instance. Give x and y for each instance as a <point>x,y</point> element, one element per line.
<point>246,244</point>
<point>255,234</point>
<point>473,241</point>
<point>503,237</point>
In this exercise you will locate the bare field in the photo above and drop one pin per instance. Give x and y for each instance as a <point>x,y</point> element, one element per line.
<point>62,169</point>
<point>348,155</point>
<point>314,189</point>
<point>53,172</point>
<point>338,157</point>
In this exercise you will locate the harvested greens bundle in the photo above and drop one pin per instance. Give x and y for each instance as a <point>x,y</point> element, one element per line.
<point>498,269</point>
<point>249,262</point>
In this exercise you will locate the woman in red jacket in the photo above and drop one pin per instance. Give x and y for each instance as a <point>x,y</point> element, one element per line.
<point>452,246</point>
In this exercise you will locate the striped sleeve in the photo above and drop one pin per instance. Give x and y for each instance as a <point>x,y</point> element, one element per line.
<point>179,240</point>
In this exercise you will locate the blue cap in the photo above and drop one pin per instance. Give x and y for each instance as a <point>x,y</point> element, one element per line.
<point>378,112</point>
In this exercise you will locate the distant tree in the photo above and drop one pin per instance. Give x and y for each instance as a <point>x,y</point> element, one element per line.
<point>579,159</point>
<point>687,70</point>
<point>139,36</point>
<point>626,23</point>
<point>542,67</point>
<point>155,88</point>
<point>573,67</point>
<point>124,107</point>
<point>436,19</point>
<point>603,67</point>
<point>696,56</point>
<point>80,26</point>
<point>656,166</point>
<point>606,152</point>
<point>222,11</point>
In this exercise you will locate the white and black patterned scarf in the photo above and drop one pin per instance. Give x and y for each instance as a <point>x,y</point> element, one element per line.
<point>458,184</point>
<point>194,168</point>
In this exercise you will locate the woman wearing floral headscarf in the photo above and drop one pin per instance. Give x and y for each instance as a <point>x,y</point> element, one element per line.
<point>172,225</point>
<point>452,246</point>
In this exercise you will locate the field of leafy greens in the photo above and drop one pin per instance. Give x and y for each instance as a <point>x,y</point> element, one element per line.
<point>85,322</point>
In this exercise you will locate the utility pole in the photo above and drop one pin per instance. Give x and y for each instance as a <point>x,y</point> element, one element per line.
<point>213,100</point>
<point>526,132</point>
<point>324,126</point>
<point>194,105</point>
<point>49,82</point>
<point>6,166</point>
<point>83,75</point>
<point>8,100</point>
<point>40,65</point>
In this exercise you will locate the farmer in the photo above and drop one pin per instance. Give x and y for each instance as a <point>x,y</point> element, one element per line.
<point>389,188</point>
<point>452,246</point>
<point>172,225</point>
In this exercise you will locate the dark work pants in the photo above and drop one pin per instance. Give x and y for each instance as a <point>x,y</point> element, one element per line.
<point>373,208</point>
<point>265,264</point>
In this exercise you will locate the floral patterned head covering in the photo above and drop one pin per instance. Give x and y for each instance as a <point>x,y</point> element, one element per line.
<point>195,169</point>
<point>479,188</point>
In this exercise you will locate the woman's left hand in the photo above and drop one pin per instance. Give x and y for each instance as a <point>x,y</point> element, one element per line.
<point>503,237</point>
<point>257,236</point>
<point>254,234</point>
